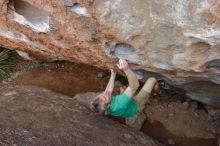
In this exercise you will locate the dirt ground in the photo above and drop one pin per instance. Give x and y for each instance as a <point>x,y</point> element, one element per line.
<point>172,119</point>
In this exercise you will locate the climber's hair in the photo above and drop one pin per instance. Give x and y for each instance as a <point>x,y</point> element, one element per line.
<point>95,105</point>
<point>99,108</point>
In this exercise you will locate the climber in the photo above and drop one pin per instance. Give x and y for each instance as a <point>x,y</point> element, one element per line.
<point>126,105</point>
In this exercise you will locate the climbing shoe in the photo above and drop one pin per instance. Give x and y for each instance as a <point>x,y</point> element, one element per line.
<point>163,85</point>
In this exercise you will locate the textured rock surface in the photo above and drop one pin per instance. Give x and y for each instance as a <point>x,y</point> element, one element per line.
<point>181,120</point>
<point>36,116</point>
<point>186,120</point>
<point>179,39</point>
<point>175,120</point>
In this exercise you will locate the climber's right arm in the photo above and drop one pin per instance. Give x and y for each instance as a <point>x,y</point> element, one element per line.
<point>132,79</point>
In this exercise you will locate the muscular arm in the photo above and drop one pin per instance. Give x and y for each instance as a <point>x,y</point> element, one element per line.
<point>133,82</point>
<point>132,79</point>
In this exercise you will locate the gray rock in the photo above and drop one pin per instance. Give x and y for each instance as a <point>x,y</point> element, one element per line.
<point>171,141</point>
<point>101,75</point>
<point>36,116</point>
<point>205,92</point>
<point>178,40</point>
<point>186,104</point>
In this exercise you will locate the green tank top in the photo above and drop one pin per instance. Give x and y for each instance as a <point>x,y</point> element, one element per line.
<point>122,106</point>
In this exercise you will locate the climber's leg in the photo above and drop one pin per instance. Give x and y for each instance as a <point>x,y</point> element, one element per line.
<point>141,99</point>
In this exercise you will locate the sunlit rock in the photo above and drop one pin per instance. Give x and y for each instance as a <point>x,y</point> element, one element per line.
<point>180,40</point>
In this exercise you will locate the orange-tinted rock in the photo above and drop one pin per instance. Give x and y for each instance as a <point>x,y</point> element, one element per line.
<point>178,39</point>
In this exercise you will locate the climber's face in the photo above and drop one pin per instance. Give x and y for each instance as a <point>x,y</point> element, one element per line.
<point>104,97</point>
<point>101,102</point>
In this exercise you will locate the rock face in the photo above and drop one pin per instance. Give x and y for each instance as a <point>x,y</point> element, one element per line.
<point>185,121</point>
<point>179,39</point>
<point>174,121</point>
<point>36,116</point>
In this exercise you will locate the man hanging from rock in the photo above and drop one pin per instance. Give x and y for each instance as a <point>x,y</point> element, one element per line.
<point>127,104</point>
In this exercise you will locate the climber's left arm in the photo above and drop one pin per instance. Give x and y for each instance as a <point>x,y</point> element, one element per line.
<point>110,85</point>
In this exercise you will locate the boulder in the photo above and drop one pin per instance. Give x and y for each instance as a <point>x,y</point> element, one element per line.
<point>172,122</point>
<point>35,116</point>
<point>175,40</point>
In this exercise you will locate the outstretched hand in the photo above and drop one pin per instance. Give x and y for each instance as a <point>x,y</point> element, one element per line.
<point>122,64</point>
